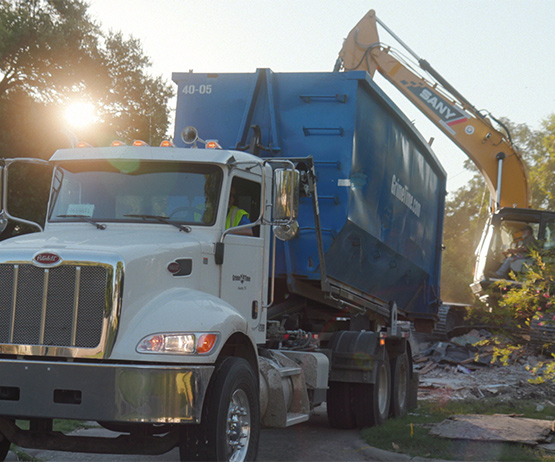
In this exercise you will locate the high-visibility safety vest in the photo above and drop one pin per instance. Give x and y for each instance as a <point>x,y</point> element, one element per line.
<point>234,216</point>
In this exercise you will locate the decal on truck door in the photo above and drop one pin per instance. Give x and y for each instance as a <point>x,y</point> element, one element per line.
<point>241,279</point>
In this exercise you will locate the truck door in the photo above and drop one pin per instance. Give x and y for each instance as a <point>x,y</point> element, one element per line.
<point>244,280</point>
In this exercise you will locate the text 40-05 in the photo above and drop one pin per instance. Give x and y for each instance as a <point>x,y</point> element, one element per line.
<point>193,89</point>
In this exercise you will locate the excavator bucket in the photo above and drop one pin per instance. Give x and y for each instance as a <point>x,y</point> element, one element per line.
<point>357,46</point>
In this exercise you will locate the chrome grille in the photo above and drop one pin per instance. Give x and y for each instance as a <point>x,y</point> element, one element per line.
<point>63,306</point>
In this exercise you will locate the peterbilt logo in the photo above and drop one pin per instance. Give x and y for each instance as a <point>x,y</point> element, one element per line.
<point>47,259</point>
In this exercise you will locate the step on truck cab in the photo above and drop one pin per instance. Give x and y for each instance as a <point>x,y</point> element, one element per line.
<point>144,306</point>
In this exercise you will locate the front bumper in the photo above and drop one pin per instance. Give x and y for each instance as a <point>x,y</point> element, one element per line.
<point>103,392</point>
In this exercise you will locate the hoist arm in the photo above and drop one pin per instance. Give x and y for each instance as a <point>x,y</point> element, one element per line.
<point>491,150</point>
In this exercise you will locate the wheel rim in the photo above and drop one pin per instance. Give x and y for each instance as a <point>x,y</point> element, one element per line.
<point>383,390</point>
<point>238,429</point>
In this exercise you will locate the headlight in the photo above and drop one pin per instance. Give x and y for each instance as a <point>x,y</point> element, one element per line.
<point>174,343</point>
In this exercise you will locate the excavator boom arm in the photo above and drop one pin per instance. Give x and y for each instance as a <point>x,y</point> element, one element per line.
<point>491,150</point>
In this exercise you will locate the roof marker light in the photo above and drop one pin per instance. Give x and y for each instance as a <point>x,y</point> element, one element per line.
<point>117,143</point>
<point>139,143</point>
<point>213,144</point>
<point>83,144</point>
<point>167,144</point>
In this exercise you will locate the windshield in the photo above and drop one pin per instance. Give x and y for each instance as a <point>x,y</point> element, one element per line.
<point>508,235</point>
<point>135,191</point>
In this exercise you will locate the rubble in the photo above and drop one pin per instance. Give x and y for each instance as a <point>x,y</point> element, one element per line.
<point>461,368</point>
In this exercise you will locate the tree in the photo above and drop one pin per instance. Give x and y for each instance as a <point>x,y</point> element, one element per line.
<point>52,52</point>
<point>542,169</point>
<point>465,216</point>
<point>47,48</point>
<point>132,106</point>
<point>531,146</point>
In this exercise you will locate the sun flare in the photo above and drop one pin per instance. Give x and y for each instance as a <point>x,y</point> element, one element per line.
<point>80,114</point>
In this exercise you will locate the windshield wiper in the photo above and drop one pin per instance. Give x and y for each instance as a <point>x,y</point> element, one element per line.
<point>85,219</point>
<point>161,219</point>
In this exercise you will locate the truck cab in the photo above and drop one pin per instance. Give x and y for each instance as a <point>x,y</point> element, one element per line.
<point>136,289</point>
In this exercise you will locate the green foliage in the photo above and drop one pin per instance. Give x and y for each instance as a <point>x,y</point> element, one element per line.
<point>524,304</point>
<point>543,371</point>
<point>46,47</point>
<point>135,104</point>
<point>532,298</point>
<point>537,148</point>
<point>523,309</point>
<point>544,170</point>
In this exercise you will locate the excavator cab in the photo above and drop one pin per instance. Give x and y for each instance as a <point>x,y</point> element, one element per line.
<point>503,232</point>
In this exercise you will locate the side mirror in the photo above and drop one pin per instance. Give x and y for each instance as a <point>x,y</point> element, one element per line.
<point>286,194</point>
<point>286,203</point>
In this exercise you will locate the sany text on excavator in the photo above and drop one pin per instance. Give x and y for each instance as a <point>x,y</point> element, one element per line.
<point>491,149</point>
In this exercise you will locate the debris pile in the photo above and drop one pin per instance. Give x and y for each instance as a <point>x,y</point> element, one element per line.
<point>467,367</point>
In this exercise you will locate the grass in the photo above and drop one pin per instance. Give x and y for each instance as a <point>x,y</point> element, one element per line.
<point>411,433</point>
<point>64,426</point>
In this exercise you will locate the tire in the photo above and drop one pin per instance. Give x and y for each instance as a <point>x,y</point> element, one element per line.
<point>371,402</point>
<point>400,368</point>
<point>4,447</point>
<point>338,404</point>
<point>230,425</point>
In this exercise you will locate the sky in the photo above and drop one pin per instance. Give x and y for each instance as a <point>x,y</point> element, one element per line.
<point>497,53</point>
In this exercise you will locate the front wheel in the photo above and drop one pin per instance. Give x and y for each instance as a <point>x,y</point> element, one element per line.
<point>230,425</point>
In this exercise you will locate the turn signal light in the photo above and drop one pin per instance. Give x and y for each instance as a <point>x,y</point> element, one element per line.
<point>206,342</point>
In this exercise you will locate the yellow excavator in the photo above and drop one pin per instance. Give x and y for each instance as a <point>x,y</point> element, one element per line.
<point>489,147</point>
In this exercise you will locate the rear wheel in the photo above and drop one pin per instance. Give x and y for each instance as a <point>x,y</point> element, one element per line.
<point>400,390</point>
<point>371,402</point>
<point>230,420</point>
<point>339,408</point>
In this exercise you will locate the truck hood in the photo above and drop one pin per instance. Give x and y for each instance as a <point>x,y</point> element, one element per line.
<point>128,242</point>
